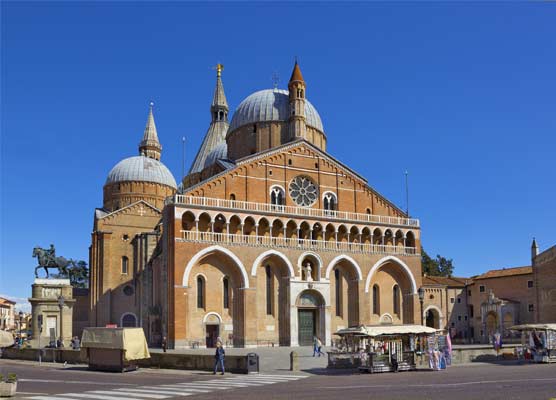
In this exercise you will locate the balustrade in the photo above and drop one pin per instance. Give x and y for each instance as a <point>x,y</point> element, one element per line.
<point>207,202</point>
<point>306,244</point>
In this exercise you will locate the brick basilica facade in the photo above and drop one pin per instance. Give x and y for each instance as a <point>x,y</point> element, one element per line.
<point>267,240</point>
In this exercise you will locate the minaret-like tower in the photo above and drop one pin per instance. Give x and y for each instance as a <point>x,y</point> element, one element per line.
<point>297,121</point>
<point>534,250</point>
<point>219,106</point>
<point>214,143</point>
<point>150,146</point>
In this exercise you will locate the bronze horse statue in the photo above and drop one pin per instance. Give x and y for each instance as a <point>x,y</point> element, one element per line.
<point>48,260</point>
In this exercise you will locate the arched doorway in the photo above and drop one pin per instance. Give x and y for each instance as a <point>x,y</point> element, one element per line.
<point>491,324</point>
<point>129,320</point>
<point>432,319</point>
<point>212,329</point>
<point>310,317</point>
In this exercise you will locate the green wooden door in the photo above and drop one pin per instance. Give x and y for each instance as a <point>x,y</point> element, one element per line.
<point>306,327</point>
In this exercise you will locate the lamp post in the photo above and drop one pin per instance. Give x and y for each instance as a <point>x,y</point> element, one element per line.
<point>421,292</point>
<point>20,317</point>
<point>61,302</point>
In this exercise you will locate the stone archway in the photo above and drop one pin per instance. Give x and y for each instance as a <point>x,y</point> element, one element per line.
<point>491,322</point>
<point>310,317</point>
<point>433,317</point>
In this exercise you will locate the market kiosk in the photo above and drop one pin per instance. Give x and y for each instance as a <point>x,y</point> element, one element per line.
<point>538,342</point>
<point>382,348</point>
<point>114,349</point>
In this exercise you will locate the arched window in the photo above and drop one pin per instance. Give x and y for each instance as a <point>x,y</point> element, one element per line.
<point>329,201</point>
<point>338,287</point>
<point>277,196</point>
<point>268,290</point>
<point>232,197</point>
<point>376,300</point>
<point>396,299</point>
<point>129,321</point>
<point>125,265</point>
<point>200,292</point>
<point>226,292</point>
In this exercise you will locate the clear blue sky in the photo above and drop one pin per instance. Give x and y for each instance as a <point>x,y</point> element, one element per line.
<point>463,96</point>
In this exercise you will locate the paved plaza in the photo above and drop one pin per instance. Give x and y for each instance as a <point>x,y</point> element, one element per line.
<point>506,381</point>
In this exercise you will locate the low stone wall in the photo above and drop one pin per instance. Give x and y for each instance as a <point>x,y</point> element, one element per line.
<point>199,362</point>
<point>471,353</point>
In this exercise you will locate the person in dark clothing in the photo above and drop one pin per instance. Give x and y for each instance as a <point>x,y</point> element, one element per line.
<point>164,344</point>
<point>219,358</point>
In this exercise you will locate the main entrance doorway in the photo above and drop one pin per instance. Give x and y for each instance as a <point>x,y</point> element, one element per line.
<point>306,326</point>
<point>212,334</point>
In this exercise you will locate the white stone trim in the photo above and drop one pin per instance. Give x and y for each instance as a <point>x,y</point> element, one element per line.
<point>268,253</point>
<point>348,259</point>
<point>212,313</point>
<point>384,260</point>
<point>210,250</point>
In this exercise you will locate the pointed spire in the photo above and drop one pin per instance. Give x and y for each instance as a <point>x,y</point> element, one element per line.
<point>150,146</point>
<point>534,249</point>
<point>296,73</point>
<point>214,142</point>
<point>219,102</point>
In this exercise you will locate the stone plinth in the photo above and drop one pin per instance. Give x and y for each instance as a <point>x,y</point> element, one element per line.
<point>56,320</point>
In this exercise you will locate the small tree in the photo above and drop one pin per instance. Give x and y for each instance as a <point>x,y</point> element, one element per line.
<point>78,274</point>
<point>439,266</point>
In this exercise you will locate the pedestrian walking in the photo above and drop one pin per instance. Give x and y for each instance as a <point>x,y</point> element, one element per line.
<point>315,346</point>
<point>319,348</point>
<point>164,344</point>
<point>219,358</point>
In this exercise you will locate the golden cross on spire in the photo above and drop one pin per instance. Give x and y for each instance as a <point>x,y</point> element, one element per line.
<point>219,68</point>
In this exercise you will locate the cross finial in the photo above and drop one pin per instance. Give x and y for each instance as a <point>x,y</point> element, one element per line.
<point>219,68</point>
<point>275,79</point>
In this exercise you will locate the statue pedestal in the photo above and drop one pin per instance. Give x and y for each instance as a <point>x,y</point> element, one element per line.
<point>46,303</point>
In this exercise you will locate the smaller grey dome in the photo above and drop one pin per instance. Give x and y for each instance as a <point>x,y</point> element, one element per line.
<point>219,152</point>
<point>141,168</point>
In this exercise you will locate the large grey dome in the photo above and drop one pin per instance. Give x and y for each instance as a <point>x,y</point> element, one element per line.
<point>141,168</point>
<point>271,105</point>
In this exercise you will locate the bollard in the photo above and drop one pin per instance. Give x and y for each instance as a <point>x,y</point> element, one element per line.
<point>294,361</point>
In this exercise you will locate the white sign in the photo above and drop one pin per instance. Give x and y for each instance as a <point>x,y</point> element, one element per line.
<point>270,328</point>
<point>228,327</point>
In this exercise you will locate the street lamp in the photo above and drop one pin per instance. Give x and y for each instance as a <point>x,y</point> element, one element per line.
<point>61,302</point>
<point>20,317</point>
<point>421,299</point>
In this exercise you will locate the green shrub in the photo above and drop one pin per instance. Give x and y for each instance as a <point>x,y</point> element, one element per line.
<point>11,378</point>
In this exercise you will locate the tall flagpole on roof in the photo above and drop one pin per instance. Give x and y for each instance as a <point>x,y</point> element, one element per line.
<point>406,194</point>
<point>183,157</point>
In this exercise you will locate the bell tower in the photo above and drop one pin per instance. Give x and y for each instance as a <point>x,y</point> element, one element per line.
<point>150,146</point>
<point>297,120</point>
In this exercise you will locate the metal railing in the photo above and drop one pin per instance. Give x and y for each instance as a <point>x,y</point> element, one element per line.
<point>283,242</point>
<point>289,210</point>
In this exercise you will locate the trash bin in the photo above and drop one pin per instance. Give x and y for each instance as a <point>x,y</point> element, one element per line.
<point>252,363</point>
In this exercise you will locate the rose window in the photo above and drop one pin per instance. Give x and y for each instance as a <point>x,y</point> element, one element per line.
<point>303,191</point>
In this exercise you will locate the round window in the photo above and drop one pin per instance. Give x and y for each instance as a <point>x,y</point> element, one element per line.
<point>128,290</point>
<point>303,191</point>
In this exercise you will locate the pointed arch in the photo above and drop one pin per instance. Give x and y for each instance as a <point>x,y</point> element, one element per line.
<point>215,249</point>
<point>395,260</point>
<point>349,260</point>
<point>268,253</point>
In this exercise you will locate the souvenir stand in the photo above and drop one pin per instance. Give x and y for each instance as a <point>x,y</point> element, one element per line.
<point>384,348</point>
<point>538,342</point>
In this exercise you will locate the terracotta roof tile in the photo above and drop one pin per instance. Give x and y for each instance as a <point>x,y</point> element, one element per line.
<point>443,280</point>
<point>498,273</point>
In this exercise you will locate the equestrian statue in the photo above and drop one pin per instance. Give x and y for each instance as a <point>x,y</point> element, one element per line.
<point>48,260</point>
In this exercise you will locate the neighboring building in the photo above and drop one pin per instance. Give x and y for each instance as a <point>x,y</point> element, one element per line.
<point>80,316</point>
<point>499,299</point>
<point>269,240</point>
<point>22,323</point>
<point>494,301</point>
<point>7,314</point>
<point>445,304</point>
<point>544,278</point>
